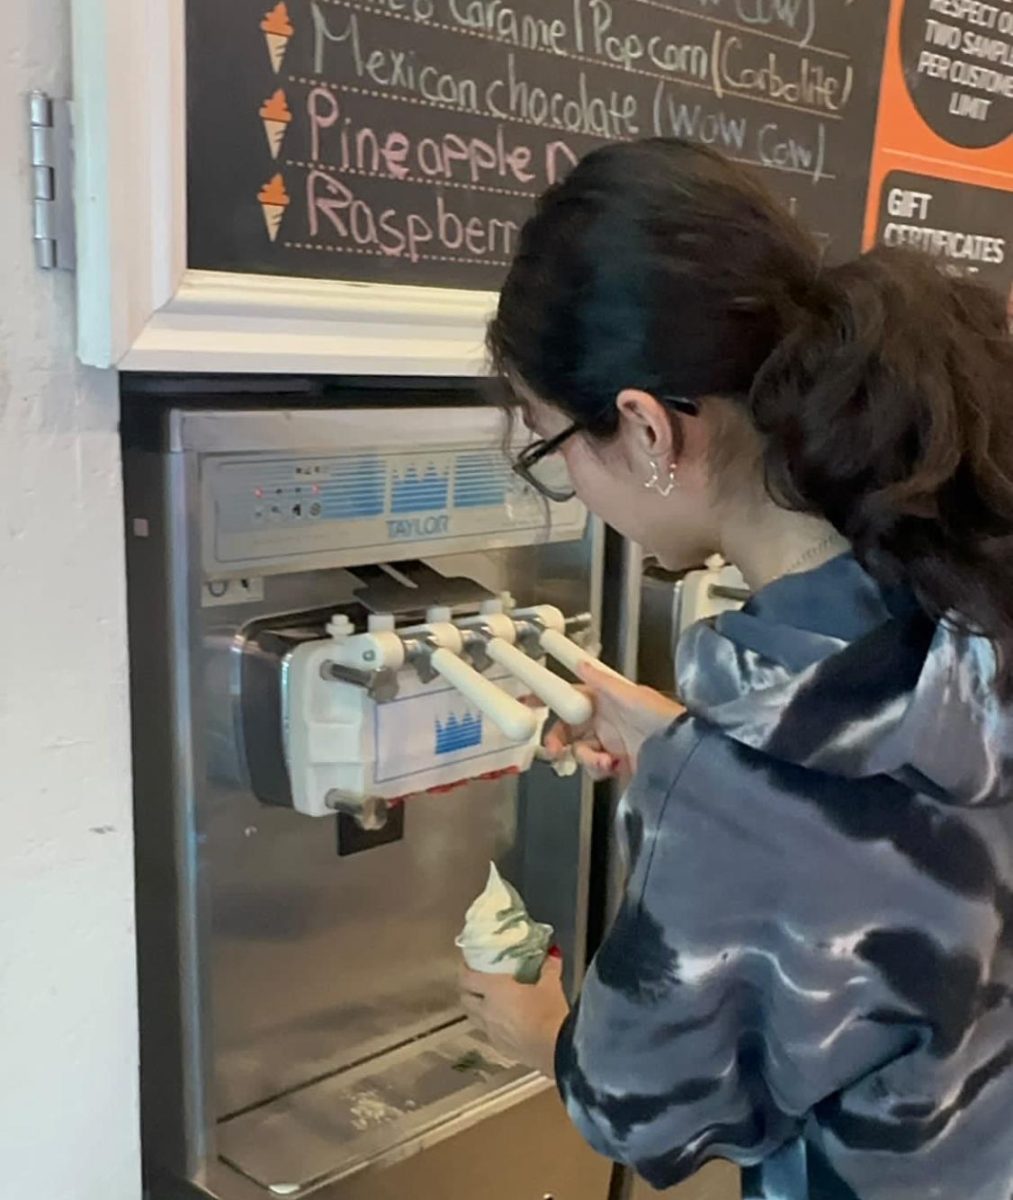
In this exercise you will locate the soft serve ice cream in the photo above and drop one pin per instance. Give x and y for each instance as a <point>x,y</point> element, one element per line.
<point>499,937</point>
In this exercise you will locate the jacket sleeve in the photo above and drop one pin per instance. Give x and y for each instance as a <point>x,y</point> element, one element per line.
<point>725,1001</point>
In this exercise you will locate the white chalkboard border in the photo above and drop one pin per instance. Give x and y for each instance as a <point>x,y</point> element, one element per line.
<point>140,308</point>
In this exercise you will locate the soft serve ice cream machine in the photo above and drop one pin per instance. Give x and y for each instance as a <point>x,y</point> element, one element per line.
<point>349,628</point>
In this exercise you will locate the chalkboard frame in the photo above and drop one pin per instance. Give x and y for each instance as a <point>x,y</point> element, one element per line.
<point>140,306</point>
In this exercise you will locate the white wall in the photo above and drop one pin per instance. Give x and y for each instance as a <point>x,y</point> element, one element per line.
<point>68,1060</point>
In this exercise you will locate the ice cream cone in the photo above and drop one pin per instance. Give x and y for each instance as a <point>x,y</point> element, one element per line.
<point>500,938</point>
<point>277,47</point>
<point>274,200</point>
<point>273,214</point>
<point>275,131</point>
<point>277,117</point>
<point>278,31</point>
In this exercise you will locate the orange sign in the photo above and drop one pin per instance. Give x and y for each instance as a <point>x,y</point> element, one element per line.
<point>942,164</point>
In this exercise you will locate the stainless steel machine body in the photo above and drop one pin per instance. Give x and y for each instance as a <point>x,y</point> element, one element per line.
<point>301,1034</point>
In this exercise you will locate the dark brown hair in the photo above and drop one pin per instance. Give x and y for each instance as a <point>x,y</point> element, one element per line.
<point>882,388</point>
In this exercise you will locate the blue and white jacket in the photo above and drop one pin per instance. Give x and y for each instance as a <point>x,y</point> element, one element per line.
<point>811,973</point>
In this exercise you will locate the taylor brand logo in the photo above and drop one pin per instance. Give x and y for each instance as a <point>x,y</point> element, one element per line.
<point>458,733</point>
<point>417,528</point>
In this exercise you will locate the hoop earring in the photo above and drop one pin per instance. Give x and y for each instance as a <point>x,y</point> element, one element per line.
<point>655,484</point>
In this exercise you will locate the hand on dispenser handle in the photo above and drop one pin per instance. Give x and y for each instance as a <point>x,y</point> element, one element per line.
<point>625,715</point>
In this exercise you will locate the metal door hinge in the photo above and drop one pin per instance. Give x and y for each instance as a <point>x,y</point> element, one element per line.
<point>53,182</point>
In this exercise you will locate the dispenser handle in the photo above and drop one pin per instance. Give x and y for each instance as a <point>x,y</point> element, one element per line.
<point>574,707</point>
<point>516,720</point>
<point>570,654</point>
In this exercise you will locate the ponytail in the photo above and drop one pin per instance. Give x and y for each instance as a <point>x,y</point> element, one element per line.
<point>888,410</point>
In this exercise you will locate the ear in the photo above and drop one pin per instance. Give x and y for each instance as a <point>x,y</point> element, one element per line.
<point>647,425</point>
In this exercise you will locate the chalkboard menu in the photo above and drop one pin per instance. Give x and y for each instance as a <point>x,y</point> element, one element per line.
<point>403,141</point>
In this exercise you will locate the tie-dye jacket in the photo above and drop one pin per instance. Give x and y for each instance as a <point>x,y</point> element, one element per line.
<point>811,972</point>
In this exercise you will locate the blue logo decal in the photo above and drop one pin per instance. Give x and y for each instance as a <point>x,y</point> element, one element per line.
<point>480,480</point>
<point>415,493</point>
<point>458,733</point>
<point>353,488</point>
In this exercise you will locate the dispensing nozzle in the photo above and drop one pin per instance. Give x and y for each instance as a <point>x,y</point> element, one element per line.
<point>369,813</point>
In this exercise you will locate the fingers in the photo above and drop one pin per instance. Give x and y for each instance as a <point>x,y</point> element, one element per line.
<point>474,1010</point>
<point>552,970</point>
<point>642,707</point>
<point>471,985</point>
<point>471,982</point>
<point>607,683</point>
<point>479,986</point>
<point>588,751</point>
<point>583,744</point>
<point>558,740</point>
<point>598,763</point>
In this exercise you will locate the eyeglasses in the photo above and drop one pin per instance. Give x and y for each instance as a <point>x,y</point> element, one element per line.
<point>540,465</point>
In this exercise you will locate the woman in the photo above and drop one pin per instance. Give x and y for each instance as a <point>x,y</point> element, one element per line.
<point>812,970</point>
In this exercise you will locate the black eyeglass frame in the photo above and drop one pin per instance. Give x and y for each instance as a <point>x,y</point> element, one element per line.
<point>532,455</point>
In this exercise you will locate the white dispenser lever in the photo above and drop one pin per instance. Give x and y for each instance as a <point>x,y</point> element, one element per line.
<point>554,642</point>
<point>574,707</point>
<point>499,633</point>
<point>563,650</point>
<point>559,647</point>
<point>442,643</point>
<point>516,720</point>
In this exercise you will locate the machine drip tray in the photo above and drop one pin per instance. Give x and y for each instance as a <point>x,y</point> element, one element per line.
<point>373,1113</point>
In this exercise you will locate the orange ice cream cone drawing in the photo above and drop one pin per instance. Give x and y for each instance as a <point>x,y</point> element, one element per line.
<point>277,117</point>
<point>278,31</point>
<point>274,200</point>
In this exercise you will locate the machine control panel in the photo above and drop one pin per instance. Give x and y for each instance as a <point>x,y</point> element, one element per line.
<point>370,506</point>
